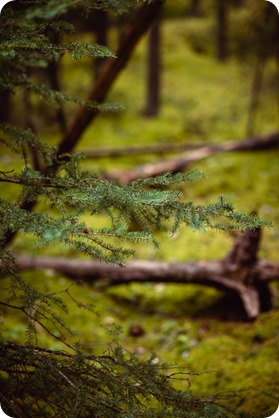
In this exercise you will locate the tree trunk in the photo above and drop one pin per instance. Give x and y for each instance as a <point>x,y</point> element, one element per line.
<point>153,71</point>
<point>100,28</point>
<point>5,98</point>
<point>195,8</point>
<point>53,70</point>
<point>222,29</point>
<point>238,3</point>
<point>256,87</point>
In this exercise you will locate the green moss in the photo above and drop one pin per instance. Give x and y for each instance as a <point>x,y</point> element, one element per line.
<point>201,100</point>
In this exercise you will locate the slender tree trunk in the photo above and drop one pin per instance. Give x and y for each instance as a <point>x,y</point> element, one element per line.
<point>29,124</point>
<point>101,23</point>
<point>277,88</point>
<point>153,71</point>
<point>5,98</point>
<point>238,3</point>
<point>54,81</point>
<point>195,8</point>
<point>255,95</point>
<point>222,29</point>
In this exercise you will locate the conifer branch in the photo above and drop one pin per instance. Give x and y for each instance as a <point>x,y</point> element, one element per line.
<point>34,319</point>
<point>99,91</point>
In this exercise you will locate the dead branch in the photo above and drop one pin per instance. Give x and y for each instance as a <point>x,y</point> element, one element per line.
<point>142,149</point>
<point>257,143</point>
<point>181,163</point>
<point>241,273</point>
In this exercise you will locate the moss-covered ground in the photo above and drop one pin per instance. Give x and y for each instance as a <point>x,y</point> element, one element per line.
<point>202,100</point>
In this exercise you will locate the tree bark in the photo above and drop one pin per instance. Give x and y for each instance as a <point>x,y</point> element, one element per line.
<point>5,99</point>
<point>152,106</point>
<point>195,8</point>
<point>222,29</point>
<point>181,163</point>
<point>53,74</point>
<point>256,88</point>
<point>240,274</point>
<point>100,28</point>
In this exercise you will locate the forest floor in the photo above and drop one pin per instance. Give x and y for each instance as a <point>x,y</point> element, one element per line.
<point>189,326</point>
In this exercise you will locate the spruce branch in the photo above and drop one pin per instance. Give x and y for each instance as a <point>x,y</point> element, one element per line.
<point>39,322</point>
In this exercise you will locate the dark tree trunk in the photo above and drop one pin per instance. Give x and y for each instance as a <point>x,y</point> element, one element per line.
<point>54,81</point>
<point>29,124</point>
<point>256,87</point>
<point>222,29</point>
<point>153,71</point>
<point>238,3</point>
<point>5,97</point>
<point>101,24</point>
<point>195,8</point>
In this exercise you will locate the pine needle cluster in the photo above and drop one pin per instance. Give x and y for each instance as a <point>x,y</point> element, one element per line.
<point>115,384</point>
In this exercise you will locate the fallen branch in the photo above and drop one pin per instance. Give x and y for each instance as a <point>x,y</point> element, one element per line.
<point>241,273</point>
<point>141,149</point>
<point>209,273</point>
<point>180,163</point>
<point>257,143</point>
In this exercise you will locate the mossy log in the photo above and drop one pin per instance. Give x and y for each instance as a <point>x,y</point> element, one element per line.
<point>240,274</point>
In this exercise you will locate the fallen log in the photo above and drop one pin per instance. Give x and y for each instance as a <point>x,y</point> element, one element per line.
<point>160,148</point>
<point>252,288</point>
<point>240,274</point>
<point>182,162</point>
<point>252,144</point>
